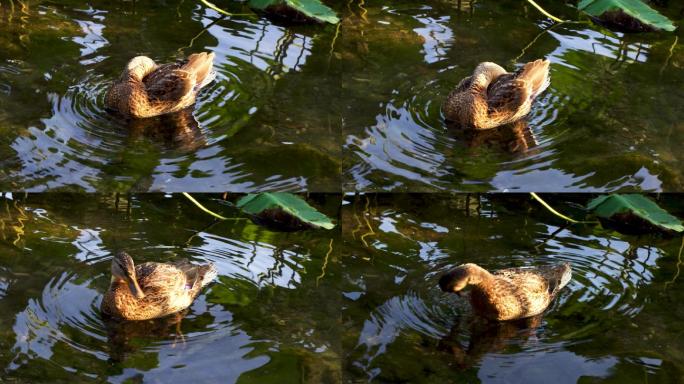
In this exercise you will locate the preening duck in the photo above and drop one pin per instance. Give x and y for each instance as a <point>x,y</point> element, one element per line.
<point>146,89</point>
<point>508,294</point>
<point>492,97</point>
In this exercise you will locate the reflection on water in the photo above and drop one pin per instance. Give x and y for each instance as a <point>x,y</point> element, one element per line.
<point>489,337</point>
<point>237,327</point>
<point>355,303</point>
<point>61,137</point>
<point>353,106</point>
<point>590,134</point>
<point>176,130</point>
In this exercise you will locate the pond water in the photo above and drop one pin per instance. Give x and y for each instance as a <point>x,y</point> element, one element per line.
<point>327,108</point>
<point>352,304</point>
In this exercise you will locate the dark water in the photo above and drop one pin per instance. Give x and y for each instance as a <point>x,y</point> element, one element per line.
<point>352,304</point>
<point>326,108</point>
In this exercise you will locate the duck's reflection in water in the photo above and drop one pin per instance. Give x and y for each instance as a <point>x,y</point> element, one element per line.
<point>487,336</point>
<point>515,138</point>
<point>178,131</point>
<point>126,337</point>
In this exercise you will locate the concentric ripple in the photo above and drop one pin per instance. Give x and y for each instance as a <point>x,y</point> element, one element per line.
<point>79,146</point>
<point>408,310</point>
<point>411,143</point>
<point>67,315</point>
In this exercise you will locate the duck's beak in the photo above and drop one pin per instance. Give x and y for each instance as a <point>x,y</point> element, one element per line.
<point>135,289</point>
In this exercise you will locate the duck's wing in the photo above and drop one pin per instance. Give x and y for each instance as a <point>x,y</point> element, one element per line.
<point>169,82</point>
<point>197,276</point>
<point>510,94</point>
<point>157,278</point>
<point>506,95</point>
<point>529,278</point>
<point>553,277</point>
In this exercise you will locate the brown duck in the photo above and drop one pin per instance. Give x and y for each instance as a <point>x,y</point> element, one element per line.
<point>508,294</point>
<point>152,290</point>
<point>492,97</point>
<point>146,89</point>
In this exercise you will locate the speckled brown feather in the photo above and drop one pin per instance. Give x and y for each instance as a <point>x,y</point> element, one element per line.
<point>492,97</point>
<point>508,294</point>
<point>160,89</point>
<point>168,288</point>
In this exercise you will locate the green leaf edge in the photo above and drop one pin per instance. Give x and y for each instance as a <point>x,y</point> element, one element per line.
<point>627,205</point>
<point>657,20</point>
<point>275,201</point>
<point>320,11</point>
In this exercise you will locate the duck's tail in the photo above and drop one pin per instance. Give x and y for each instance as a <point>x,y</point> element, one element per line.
<point>201,65</point>
<point>207,274</point>
<point>536,74</point>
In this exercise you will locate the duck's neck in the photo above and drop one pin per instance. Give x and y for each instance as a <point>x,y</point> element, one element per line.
<point>478,276</point>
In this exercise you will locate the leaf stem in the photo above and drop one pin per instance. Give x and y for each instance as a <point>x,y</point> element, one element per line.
<point>200,206</point>
<point>219,10</point>
<point>325,262</point>
<point>542,202</point>
<point>679,263</point>
<point>542,10</point>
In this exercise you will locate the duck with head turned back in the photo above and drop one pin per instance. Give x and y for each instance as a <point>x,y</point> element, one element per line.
<point>492,97</point>
<point>508,294</point>
<point>146,89</point>
<point>153,290</point>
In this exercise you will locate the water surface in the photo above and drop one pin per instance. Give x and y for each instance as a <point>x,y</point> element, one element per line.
<point>327,108</point>
<point>247,131</point>
<point>356,303</point>
<point>611,119</point>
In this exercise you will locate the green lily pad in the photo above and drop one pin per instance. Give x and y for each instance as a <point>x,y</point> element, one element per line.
<point>633,213</point>
<point>626,15</point>
<point>283,211</point>
<point>312,9</point>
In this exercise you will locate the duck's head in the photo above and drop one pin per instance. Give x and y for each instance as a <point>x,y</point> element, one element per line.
<point>123,269</point>
<point>139,66</point>
<point>460,277</point>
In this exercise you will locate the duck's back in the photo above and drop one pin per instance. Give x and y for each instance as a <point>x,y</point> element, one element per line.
<point>179,82</point>
<point>512,93</point>
<point>512,294</point>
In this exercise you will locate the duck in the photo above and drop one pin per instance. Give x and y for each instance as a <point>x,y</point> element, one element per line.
<point>153,290</point>
<point>508,294</point>
<point>493,97</point>
<point>146,89</point>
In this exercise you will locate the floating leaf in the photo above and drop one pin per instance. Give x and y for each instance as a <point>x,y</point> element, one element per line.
<point>312,9</point>
<point>283,211</point>
<point>635,213</point>
<point>626,15</point>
